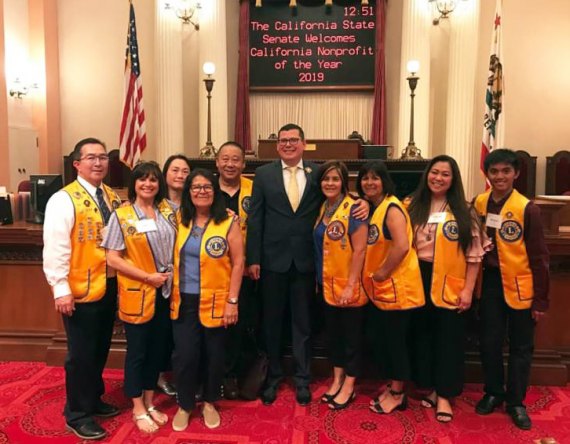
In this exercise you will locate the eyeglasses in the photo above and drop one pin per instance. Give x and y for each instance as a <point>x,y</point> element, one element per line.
<point>291,141</point>
<point>205,188</point>
<point>92,158</point>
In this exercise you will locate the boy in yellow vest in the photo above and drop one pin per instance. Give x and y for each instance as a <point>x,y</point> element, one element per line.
<point>514,288</point>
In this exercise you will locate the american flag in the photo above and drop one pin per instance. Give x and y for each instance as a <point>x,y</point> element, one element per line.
<point>493,120</point>
<point>133,133</point>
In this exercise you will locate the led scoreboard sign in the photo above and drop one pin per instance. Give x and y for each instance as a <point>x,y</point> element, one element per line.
<point>312,46</point>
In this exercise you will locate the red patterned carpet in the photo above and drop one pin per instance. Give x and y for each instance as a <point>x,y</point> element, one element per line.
<point>32,397</point>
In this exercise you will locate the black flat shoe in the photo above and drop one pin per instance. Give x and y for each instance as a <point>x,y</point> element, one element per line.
<point>520,417</point>
<point>337,406</point>
<point>88,430</point>
<point>105,410</point>
<point>303,396</point>
<point>488,404</point>
<point>269,395</point>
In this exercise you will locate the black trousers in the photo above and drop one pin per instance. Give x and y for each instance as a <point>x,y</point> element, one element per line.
<point>241,337</point>
<point>89,331</point>
<point>394,342</point>
<point>147,349</point>
<point>296,289</point>
<point>439,344</point>
<point>192,343</point>
<point>344,327</point>
<point>497,318</point>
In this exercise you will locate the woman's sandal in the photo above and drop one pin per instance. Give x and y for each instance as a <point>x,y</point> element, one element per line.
<point>443,417</point>
<point>427,402</point>
<point>326,398</point>
<point>152,427</point>
<point>376,407</point>
<point>159,418</point>
<point>377,399</point>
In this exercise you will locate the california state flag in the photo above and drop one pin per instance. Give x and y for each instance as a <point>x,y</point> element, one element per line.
<point>493,120</point>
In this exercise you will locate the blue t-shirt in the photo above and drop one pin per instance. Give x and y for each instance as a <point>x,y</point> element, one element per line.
<point>190,262</point>
<point>319,235</point>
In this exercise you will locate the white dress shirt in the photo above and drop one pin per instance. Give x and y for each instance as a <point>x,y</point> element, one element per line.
<point>301,177</point>
<point>58,223</point>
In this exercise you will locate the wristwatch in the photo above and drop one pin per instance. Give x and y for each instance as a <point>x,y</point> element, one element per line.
<point>232,301</point>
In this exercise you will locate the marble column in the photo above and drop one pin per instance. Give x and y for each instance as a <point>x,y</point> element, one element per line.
<point>213,49</point>
<point>460,137</point>
<point>169,85</point>
<point>415,46</point>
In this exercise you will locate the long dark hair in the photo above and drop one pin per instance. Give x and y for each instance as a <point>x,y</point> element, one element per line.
<point>378,168</point>
<point>420,204</point>
<point>188,210</point>
<point>142,171</point>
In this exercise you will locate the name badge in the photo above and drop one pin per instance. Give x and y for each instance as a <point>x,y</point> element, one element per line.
<point>437,218</point>
<point>146,225</point>
<point>493,220</point>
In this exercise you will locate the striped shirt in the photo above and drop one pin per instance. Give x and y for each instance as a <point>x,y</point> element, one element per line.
<point>161,242</point>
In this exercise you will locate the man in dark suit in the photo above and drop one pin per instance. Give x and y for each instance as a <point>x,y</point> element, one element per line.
<point>285,201</point>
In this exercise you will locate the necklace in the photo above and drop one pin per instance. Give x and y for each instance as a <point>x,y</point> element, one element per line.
<point>433,225</point>
<point>330,209</point>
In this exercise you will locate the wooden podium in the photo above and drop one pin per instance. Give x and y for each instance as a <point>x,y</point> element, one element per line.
<point>316,149</point>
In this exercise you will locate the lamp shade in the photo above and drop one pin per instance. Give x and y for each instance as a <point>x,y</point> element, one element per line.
<point>209,68</point>
<point>413,66</point>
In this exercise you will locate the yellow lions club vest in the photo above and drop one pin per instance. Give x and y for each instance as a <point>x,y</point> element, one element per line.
<point>215,271</point>
<point>403,289</point>
<point>245,190</point>
<point>449,265</point>
<point>337,256</point>
<point>136,298</point>
<point>516,274</point>
<point>88,264</point>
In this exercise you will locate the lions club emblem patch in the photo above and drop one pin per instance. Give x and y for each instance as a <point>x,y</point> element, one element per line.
<point>373,234</point>
<point>335,230</point>
<point>216,246</point>
<point>246,204</point>
<point>510,231</point>
<point>451,230</point>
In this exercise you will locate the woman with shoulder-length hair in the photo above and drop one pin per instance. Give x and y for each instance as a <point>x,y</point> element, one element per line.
<point>447,237</point>
<point>392,281</point>
<point>340,246</point>
<point>208,267</point>
<point>140,244</point>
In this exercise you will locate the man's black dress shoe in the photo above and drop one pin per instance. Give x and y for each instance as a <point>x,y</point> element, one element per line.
<point>519,416</point>
<point>105,410</point>
<point>88,430</point>
<point>231,390</point>
<point>303,395</point>
<point>269,395</point>
<point>166,387</point>
<point>488,404</point>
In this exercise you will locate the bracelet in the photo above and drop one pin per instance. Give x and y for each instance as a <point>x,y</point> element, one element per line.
<point>232,301</point>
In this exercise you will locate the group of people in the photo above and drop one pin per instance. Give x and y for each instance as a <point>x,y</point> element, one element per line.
<point>189,248</point>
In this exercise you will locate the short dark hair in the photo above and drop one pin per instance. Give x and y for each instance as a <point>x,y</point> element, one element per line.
<point>231,143</point>
<point>142,171</point>
<point>76,153</point>
<point>172,159</point>
<point>340,167</point>
<point>502,155</point>
<point>292,126</point>
<point>187,208</point>
<point>378,168</point>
